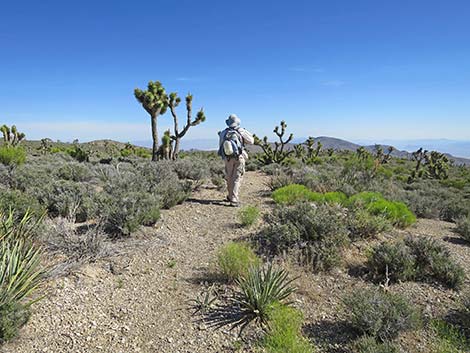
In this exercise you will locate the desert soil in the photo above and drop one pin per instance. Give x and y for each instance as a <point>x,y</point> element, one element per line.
<point>139,301</point>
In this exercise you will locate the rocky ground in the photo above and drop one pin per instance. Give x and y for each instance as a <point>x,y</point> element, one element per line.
<point>138,301</point>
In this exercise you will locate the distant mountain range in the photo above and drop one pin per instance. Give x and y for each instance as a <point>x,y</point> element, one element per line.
<point>343,145</point>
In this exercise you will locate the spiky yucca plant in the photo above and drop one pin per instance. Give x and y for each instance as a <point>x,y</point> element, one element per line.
<point>20,271</point>
<point>13,228</point>
<point>259,291</point>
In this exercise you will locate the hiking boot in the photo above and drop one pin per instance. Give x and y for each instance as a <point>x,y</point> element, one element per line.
<point>235,204</point>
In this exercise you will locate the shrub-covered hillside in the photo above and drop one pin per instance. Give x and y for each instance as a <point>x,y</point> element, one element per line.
<point>331,251</point>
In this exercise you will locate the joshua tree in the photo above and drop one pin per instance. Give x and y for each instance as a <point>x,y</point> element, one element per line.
<point>299,151</point>
<point>381,157</point>
<point>310,147</point>
<point>155,101</point>
<point>166,147</point>
<point>318,149</point>
<point>278,154</point>
<point>11,137</point>
<point>420,157</point>
<point>46,144</point>
<point>173,102</point>
<point>437,165</point>
<point>362,153</point>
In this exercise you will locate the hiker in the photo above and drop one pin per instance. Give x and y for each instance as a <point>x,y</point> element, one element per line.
<point>232,142</point>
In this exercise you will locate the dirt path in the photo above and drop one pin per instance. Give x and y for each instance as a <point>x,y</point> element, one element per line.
<point>138,302</point>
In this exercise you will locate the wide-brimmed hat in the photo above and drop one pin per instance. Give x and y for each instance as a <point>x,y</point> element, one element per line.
<point>233,121</point>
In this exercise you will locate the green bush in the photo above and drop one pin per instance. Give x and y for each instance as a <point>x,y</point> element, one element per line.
<point>293,193</point>
<point>380,314</point>
<point>316,233</point>
<point>258,292</point>
<point>285,331</point>
<point>364,199</point>
<point>248,215</point>
<point>463,227</point>
<point>335,197</point>
<point>235,259</point>
<point>396,212</point>
<point>418,258</point>
<point>368,344</point>
<point>12,156</point>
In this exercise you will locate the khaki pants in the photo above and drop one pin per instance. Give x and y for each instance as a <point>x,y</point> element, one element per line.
<point>234,170</point>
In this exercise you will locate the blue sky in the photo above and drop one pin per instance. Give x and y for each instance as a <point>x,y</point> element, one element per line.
<point>362,69</point>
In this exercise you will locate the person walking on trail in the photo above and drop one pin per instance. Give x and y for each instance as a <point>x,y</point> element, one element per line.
<point>232,143</point>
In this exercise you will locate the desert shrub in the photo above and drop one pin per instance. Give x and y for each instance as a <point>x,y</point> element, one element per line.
<point>316,233</point>
<point>253,164</point>
<point>454,209</point>
<point>368,344</point>
<point>415,259</point>
<point>77,172</point>
<point>195,169</point>
<point>78,153</point>
<point>20,202</point>
<point>235,259</point>
<point>285,331</point>
<point>160,179</point>
<point>293,193</point>
<point>248,215</point>
<point>12,156</point>
<point>272,169</point>
<point>80,244</point>
<point>68,199</point>
<point>463,227</point>
<point>395,257</point>
<point>258,291</point>
<point>449,338</point>
<point>279,180</point>
<point>466,311</point>
<point>364,225</point>
<point>433,260</point>
<point>12,317</point>
<point>124,212</point>
<point>380,314</point>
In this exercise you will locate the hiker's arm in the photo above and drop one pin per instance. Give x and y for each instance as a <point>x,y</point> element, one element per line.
<point>247,137</point>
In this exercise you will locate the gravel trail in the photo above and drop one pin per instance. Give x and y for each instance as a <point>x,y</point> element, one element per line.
<point>138,302</point>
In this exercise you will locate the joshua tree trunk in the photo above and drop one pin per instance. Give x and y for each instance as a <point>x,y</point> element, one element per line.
<point>154,137</point>
<point>176,148</point>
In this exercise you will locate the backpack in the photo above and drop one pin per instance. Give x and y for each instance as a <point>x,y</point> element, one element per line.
<point>232,144</point>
